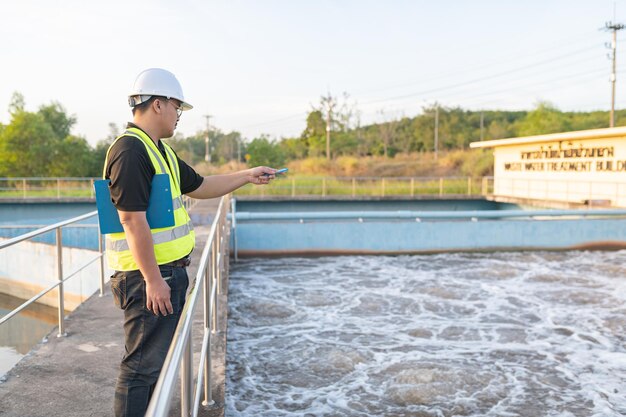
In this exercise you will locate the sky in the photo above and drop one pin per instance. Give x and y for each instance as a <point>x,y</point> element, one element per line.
<point>259,66</point>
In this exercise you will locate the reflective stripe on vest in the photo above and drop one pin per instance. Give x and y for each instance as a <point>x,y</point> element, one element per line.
<point>158,237</point>
<point>170,243</point>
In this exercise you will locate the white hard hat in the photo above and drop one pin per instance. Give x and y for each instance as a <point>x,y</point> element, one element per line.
<point>156,82</point>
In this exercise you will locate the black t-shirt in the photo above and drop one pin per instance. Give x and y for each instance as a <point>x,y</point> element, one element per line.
<point>130,170</point>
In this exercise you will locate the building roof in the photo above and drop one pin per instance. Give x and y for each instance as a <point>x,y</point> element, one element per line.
<point>610,132</point>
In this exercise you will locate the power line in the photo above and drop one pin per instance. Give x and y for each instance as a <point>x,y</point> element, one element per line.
<point>293,116</point>
<point>594,73</point>
<point>483,66</point>
<point>505,82</point>
<point>470,82</point>
<point>501,74</point>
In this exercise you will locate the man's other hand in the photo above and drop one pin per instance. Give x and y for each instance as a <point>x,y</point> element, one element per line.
<point>158,297</point>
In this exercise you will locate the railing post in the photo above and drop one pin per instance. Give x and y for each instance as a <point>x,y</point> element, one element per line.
<point>101,250</point>
<point>440,186</point>
<point>218,250</point>
<point>412,187</point>
<point>58,189</point>
<point>206,291</point>
<point>485,188</point>
<point>24,187</point>
<point>233,222</point>
<point>293,187</point>
<point>214,282</point>
<point>324,187</point>
<point>353,187</point>
<point>91,188</point>
<point>383,187</point>
<point>469,185</point>
<point>186,378</point>
<point>60,278</point>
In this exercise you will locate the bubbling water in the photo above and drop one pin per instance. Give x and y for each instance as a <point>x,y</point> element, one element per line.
<point>501,334</point>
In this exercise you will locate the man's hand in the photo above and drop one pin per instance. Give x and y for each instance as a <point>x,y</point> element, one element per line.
<point>218,185</point>
<point>261,175</point>
<point>158,297</point>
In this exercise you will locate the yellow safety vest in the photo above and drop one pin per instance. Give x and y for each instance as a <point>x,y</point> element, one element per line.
<point>170,243</point>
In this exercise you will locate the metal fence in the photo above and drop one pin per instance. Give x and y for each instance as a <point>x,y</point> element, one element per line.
<point>81,188</point>
<point>23,188</point>
<point>40,187</point>
<point>61,278</point>
<point>325,187</point>
<point>369,186</point>
<point>211,271</point>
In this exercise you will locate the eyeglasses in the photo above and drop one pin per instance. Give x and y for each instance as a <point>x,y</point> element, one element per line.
<point>179,109</point>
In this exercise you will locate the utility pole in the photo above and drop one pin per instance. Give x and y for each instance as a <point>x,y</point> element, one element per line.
<point>436,130</point>
<point>614,27</point>
<point>207,154</point>
<point>482,125</point>
<point>329,110</point>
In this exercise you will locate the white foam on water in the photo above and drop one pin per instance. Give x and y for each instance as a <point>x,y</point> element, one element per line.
<point>501,334</point>
<point>8,358</point>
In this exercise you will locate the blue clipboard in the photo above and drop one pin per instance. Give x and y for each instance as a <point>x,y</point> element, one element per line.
<point>160,211</point>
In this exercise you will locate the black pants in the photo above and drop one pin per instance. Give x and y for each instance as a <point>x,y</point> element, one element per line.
<point>147,337</point>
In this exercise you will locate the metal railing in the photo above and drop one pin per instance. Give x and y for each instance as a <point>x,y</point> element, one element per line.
<point>81,188</point>
<point>211,271</point>
<point>367,186</point>
<point>418,216</point>
<point>44,187</point>
<point>61,279</point>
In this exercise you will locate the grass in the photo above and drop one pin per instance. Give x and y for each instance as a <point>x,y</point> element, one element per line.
<point>290,185</point>
<point>378,187</point>
<point>46,188</point>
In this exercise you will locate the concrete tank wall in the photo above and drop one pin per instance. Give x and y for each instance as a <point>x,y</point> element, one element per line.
<point>28,267</point>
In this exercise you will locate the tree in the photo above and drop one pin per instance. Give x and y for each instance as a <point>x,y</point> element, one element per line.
<point>546,118</point>
<point>40,144</point>
<point>74,159</point>
<point>294,148</point>
<point>387,131</point>
<point>17,103</point>
<point>98,154</point>
<point>262,151</point>
<point>314,135</point>
<point>27,146</point>
<point>55,115</point>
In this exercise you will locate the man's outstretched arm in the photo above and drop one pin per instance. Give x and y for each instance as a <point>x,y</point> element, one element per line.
<point>218,185</point>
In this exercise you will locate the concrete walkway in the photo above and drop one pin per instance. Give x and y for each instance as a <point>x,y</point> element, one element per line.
<point>75,375</point>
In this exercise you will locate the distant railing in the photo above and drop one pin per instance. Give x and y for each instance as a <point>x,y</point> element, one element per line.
<point>55,188</point>
<point>62,188</point>
<point>61,278</point>
<point>368,186</point>
<point>211,270</point>
<point>42,187</point>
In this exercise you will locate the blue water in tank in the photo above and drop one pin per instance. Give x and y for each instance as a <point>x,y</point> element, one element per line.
<point>35,215</point>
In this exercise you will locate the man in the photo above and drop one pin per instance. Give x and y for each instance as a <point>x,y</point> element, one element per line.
<point>151,281</point>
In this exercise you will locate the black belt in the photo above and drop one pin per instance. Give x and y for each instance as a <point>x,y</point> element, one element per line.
<point>181,263</point>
